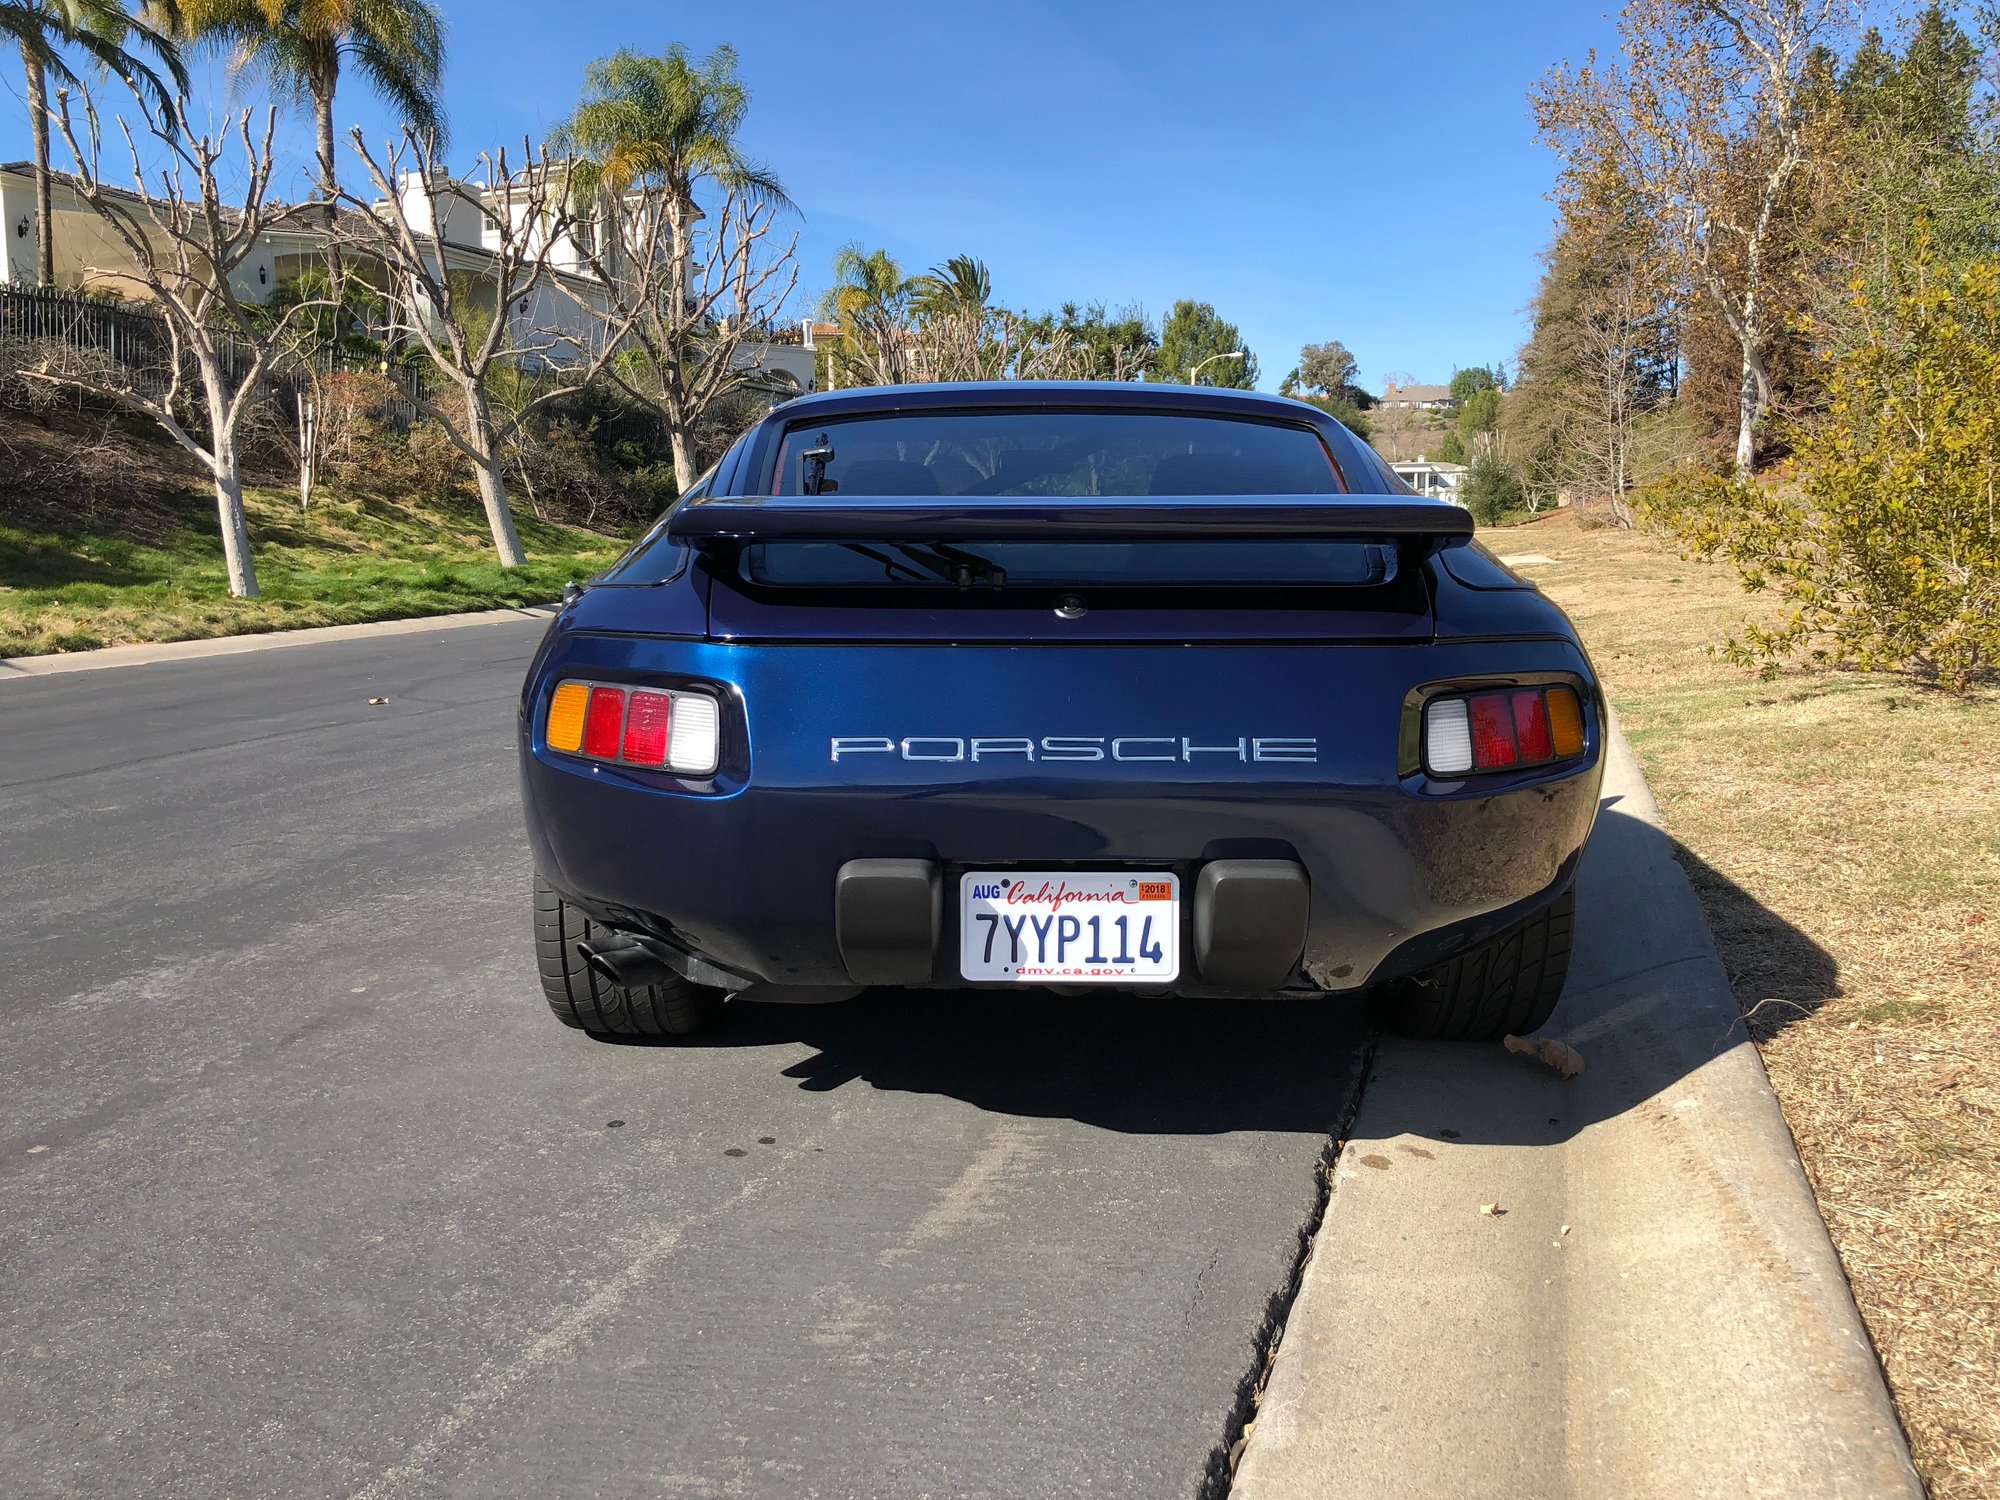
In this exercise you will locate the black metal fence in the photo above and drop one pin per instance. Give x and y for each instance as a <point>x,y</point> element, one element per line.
<point>135,340</point>
<point>138,342</point>
<point>42,321</point>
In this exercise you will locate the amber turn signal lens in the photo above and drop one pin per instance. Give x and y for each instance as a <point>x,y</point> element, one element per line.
<point>565,730</point>
<point>1565,721</point>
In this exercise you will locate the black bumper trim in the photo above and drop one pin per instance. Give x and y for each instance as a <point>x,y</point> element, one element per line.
<point>1250,919</point>
<point>887,915</point>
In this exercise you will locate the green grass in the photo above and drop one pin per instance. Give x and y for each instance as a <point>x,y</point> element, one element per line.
<point>351,558</point>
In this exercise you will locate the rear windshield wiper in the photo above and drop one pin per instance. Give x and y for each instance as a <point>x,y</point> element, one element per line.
<point>932,560</point>
<point>959,567</point>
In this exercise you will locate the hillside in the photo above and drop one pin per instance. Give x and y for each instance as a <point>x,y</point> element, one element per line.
<point>108,536</point>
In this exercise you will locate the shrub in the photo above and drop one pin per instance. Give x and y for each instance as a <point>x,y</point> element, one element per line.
<point>1491,490</point>
<point>569,476</point>
<point>1884,537</point>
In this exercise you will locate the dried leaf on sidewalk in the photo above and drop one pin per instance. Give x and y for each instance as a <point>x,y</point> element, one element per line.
<point>1564,1058</point>
<point>1491,1210</point>
<point>377,702</point>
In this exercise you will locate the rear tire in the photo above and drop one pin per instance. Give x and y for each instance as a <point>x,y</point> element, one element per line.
<point>1507,987</point>
<point>585,999</point>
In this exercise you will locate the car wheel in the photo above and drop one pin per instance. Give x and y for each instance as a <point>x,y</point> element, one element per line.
<point>585,999</point>
<point>1508,986</point>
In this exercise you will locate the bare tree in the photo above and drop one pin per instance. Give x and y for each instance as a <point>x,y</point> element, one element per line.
<point>187,232</point>
<point>1605,351</point>
<point>694,300</point>
<point>1710,121</point>
<point>505,329</point>
<point>877,345</point>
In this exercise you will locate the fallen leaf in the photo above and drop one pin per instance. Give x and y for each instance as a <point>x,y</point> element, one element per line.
<point>1492,1210</point>
<point>377,702</point>
<point>1564,1058</point>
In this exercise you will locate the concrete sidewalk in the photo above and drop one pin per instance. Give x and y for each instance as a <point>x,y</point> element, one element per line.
<point>1656,1310</point>
<point>56,663</point>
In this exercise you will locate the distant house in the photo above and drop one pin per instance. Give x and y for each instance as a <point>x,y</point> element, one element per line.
<point>1417,398</point>
<point>453,216</point>
<point>1431,477</point>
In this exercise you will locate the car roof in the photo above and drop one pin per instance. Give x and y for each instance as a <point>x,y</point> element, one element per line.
<point>1129,395</point>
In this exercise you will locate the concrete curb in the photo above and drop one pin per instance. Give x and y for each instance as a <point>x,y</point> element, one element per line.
<point>1657,1310</point>
<point>24,667</point>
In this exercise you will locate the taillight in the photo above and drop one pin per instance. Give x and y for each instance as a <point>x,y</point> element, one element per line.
<point>604,723</point>
<point>646,729</point>
<point>565,728</point>
<point>1565,722</point>
<point>1470,732</point>
<point>1492,731</point>
<point>697,736</point>
<point>674,731</point>
<point>1531,727</point>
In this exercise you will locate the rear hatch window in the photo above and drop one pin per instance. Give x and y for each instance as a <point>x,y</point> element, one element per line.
<point>1226,563</point>
<point>1053,453</point>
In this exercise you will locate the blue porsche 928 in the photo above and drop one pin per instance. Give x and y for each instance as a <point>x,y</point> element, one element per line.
<point>1162,689</point>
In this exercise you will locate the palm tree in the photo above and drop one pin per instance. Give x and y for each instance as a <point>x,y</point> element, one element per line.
<point>865,282</point>
<point>870,299</point>
<point>962,285</point>
<point>664,124</point>
<point>100,29</point>
<point>302,46</point>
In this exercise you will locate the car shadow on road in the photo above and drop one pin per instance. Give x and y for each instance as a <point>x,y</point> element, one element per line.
<point>1647,1004</point>
<point>1171,1067</point>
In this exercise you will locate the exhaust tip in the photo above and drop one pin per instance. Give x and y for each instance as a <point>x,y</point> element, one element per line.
<point>623,961</point>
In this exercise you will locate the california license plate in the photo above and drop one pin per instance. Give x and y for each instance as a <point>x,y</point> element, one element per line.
<point>1069,927</point>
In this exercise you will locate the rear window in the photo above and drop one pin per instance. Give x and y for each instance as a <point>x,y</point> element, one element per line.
<point>1053,453</point>
<point>1214,563</point>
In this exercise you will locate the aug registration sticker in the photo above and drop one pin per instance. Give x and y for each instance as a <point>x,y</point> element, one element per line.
<point>1069,927</point>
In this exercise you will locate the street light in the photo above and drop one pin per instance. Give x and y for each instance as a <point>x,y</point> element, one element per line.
<point>1195,368</point>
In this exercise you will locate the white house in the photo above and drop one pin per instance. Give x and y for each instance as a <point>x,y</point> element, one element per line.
<point>1432,477</point>
<point>567,302</point>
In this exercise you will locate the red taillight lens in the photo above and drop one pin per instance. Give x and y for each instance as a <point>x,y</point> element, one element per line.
<point>646,726</point>
<point>604,723</point>
<point>1492,732</point>
<point>1531,726</point>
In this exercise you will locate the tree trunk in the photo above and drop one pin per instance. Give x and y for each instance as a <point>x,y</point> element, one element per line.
<point>492,479</point>
<point>681,209</point>
<point>235,530</point>
<point>38,133</point>
<point>329,184</point>
<point>681,440</point>
<point>1748,409</point>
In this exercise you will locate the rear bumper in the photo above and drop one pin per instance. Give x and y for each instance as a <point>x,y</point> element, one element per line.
<point>1399,873</point>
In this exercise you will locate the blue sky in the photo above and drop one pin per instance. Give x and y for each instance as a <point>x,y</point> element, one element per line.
<point>1323,170</point>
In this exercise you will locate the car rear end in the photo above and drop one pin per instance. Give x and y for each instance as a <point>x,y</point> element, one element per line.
<point>1163,736</point>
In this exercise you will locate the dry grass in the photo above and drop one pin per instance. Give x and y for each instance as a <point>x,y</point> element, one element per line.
<point>1843,832</point>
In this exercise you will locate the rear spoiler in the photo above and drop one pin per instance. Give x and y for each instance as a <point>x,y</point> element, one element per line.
<point>905,518</point>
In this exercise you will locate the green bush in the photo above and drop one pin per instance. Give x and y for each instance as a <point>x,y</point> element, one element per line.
<point>1492,490</point>
<point>1884,536</point>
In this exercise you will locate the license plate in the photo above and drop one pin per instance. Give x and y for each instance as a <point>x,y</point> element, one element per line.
<point>1069,927</point>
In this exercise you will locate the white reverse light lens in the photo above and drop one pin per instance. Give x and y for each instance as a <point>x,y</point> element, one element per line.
<point>696,734</point>
<point>1447,736</point>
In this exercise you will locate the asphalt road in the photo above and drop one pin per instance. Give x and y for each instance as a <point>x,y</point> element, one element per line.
<point>303,1192</point>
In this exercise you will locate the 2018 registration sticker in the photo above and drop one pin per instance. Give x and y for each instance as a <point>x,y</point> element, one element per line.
<point>1069,926</point>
